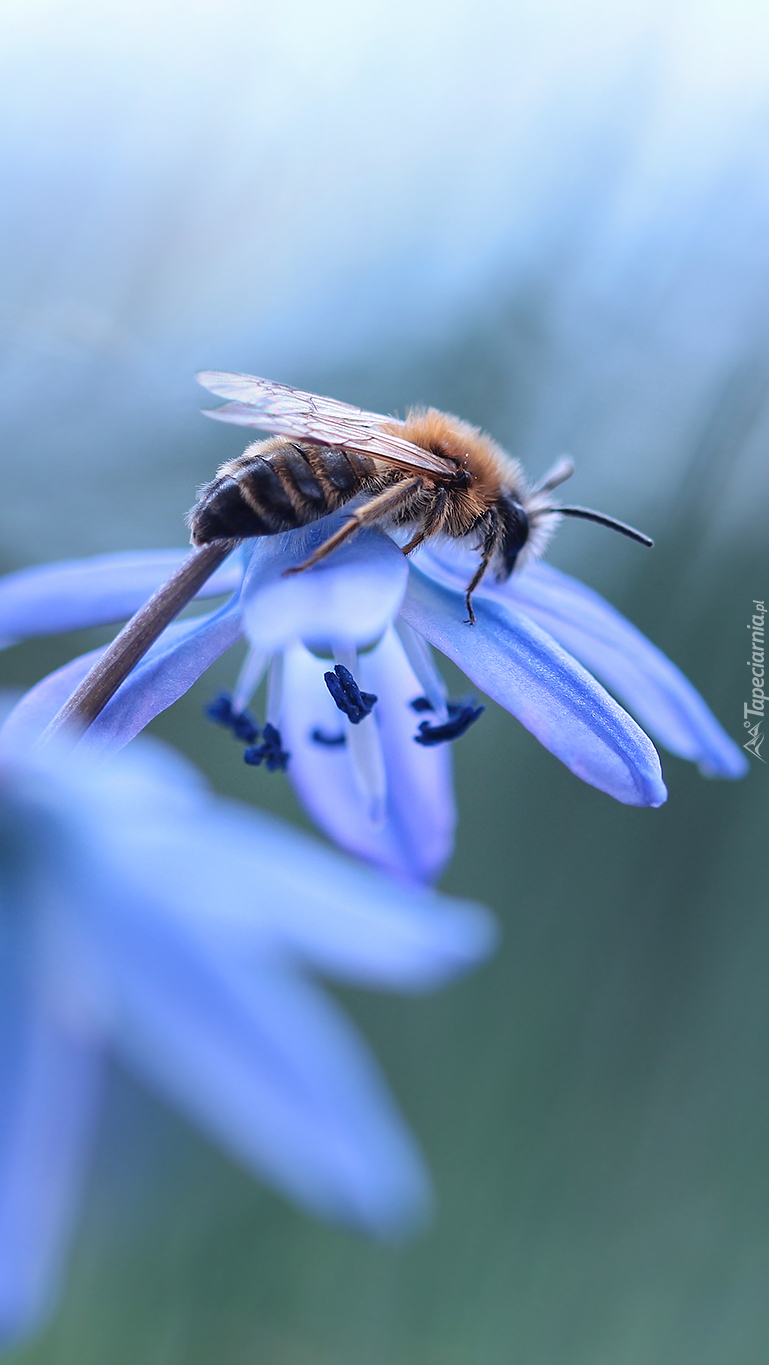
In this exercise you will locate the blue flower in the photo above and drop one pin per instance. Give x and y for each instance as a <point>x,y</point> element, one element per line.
<point>140,913</point>
<point>380,785</point>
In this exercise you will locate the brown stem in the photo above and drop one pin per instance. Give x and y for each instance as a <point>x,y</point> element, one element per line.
<point>104,679</point>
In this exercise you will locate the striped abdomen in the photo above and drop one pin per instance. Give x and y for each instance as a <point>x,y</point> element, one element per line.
<point>277,485</point>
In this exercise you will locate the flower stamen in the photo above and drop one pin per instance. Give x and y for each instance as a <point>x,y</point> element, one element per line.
<point>222,711</point>
<point>362,733</point>
<point>461,717</point>
<point>270,752</point>
<point>348,696</point>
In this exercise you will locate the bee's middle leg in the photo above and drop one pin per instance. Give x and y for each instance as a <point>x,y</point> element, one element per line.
<point>371,511</point>
<point>432,521</point>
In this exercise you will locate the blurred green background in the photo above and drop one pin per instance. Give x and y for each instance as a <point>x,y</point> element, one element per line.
<point>574,255</point>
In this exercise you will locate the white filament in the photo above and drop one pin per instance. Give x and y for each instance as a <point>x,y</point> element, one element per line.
<point>421,660</point>
<point>249,678</point>
<point>275,692</point>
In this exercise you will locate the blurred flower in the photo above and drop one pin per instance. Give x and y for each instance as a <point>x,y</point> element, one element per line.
<point>142,912</point>
<point>359,770</point>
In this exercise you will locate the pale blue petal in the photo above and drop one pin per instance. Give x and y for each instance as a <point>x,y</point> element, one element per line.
<point>419,778</point>
<point>266,887</point>
<point>167,671</point>
<point>652,687</point>
<point>521,667</point>
<point>349,598</point>
<point>177,659</point>
<point>28,719</point>
<point>640,674</point>
<point>76,593</point>
<point>48,1092</point>
<point>419,785</point>
<point>268,1068</point>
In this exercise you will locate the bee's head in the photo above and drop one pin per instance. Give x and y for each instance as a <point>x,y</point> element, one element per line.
<point>515,532</point>
<point>528,522</point>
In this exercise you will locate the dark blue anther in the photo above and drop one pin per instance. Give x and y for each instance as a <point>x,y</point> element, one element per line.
<point>329,741</point>
<point>241,723</point>
<point>348,696</point>
<point>244,727</point>
<point>461,717</point>
<point>220,709</point>
<point>270,752</point>
<point>421,704</point>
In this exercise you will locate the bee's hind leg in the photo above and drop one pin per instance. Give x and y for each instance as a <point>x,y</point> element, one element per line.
<point>373,510</point>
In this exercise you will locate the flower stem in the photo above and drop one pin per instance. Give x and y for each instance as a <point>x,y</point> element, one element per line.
<point>136,637</point>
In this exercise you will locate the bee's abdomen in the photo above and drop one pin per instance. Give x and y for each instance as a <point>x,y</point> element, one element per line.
<point>274,486</point>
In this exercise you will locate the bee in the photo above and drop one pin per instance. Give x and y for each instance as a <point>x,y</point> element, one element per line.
<point>432,473</point>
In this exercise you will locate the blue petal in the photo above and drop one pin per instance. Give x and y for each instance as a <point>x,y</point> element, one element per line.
<point>48,1090</point>
<point>176,660</point>
<point>348,598</point>
<point>612,648</point>
<point>521,667</point>
<point>209,857</point>
<point>642,677</point>
<point>417,835</point>
<point>268,1068</point>
<point>77,593</point>
<point>28,719</point>
<point>167,671</point>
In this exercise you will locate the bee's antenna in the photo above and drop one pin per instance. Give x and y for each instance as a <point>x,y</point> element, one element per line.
<point>587,514</point>
<point>560,472</point>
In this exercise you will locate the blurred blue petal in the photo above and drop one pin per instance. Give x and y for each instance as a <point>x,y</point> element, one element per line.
<point>329,913</point>
<point>268,1068</point>
<point>48,1088</point>
<point>521,667</point>
<point>140,912</point>
<point>78,593</point>
<point>173,841</point>
<point>349,598</point>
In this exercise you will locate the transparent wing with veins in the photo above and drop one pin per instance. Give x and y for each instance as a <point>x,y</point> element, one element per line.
<point>285,411</point>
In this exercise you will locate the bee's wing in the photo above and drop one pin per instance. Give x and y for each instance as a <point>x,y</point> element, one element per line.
<point>288,412</point>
